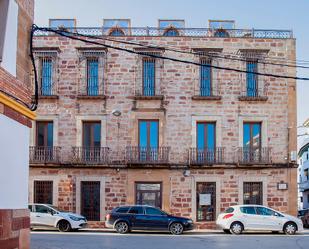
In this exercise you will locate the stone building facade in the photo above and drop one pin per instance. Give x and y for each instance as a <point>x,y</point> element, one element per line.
<point>190,139</point>
<point>16,18</point>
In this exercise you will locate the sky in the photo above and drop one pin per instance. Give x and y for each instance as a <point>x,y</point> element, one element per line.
<point>260,14</point>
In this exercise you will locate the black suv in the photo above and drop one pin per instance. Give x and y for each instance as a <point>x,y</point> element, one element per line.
<point>141,217</point>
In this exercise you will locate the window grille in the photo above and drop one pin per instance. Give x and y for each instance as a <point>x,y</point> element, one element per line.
<point>43,192</point>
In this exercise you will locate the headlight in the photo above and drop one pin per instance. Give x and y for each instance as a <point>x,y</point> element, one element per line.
<point>75,218</point>
<point>190,221</point>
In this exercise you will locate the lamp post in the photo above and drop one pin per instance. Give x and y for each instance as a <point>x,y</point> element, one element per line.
<point>117,114</point>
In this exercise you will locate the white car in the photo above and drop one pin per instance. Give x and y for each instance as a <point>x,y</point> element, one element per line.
<point>239,218</point>
<point>48,216</point>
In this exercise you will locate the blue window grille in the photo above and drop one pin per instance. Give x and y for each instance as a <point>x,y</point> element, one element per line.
<point>252,79</point>
<point>46,76</point>
<point>148,76</point>
<point>205,78</point>
<point>92,76</point>
<point>171,32</point>
<point>116,32</point>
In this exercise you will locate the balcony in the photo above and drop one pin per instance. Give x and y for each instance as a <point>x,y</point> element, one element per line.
<point>147,155</point>
<point>253,95</point>
<point>90,155</point>
<point>304,186</point>
<point>254,155</point>
<point>208,93</point>
<point>206,156</point>
<point>91,90</point>
<point>190,32</point>
<point>44,155</point>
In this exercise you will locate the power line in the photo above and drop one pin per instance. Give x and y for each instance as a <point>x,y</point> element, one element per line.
<point>170,48</point>
<point>67,34</point>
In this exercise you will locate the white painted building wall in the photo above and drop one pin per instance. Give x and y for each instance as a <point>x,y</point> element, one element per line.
<point>14,164</point>
<point>9,53</point>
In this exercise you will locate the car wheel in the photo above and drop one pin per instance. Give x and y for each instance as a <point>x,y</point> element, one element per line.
<point>290,228</point>
<point>122,227</point>
<point>64,226</point>
<point>227,231</point>
<point>176,228</point>
<point>236,228</point>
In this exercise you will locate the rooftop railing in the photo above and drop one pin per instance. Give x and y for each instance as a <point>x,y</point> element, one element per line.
<point>193,32</point>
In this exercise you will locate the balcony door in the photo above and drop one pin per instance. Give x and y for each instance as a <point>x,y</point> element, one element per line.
<point>44,141</point>
<point>206,142</point>
<point>91,141</point>
<point>252,142</point>
<point>148,140</point>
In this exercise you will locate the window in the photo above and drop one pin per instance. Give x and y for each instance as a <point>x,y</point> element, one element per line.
<point>91,134</point>
<point>90,200</point>
<point>149,76</point>
<point>154,211</point>
<point>116,27</point>
<point>122,210</point>
<point>42,209</point>
<point>206,201</point>
<point>265,211</point>
<point>252,142</point>
<point>92,76</point>
<point>307,198</point>
<point>62,23</point>
<point>43,192</point>
<point>171,32</point>
<point>30,207</point>
<point>253,193</point>
<point>221,24</point>
<point>148,139</point>
<point>44,134</point>
<point>306,174</point>
<point>206,141</point>
<point>252,78</point>
<point>248,210</point>
<point>229,210</point>
<point>205,77</point>
<point>116,32</point>
<point>148,193</point>
<point>46,76</point>
<point>136,210</point>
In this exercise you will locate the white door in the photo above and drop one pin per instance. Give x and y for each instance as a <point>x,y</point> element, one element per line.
<point>249,217</point>
<point>268,220</point>
<point>43,216</point>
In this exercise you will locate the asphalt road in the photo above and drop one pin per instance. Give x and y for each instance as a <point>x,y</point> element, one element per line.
<point>142,240</point>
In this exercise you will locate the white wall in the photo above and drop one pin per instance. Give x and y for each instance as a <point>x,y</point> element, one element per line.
<point>10,39</point>
<point>14,164</point>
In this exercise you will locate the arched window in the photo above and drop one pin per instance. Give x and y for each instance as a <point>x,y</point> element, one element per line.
<point>221,33</point>
<point>171,32</point>
<point>116,32</point>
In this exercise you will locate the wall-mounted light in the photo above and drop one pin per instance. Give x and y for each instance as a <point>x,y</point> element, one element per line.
<point>116,113</point>
<point>186,172</point>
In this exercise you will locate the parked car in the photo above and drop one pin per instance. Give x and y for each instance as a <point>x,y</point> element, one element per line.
<point>142,217</point>
<point>239,218</point>
<point>303,214</point>
<point>48,216</point>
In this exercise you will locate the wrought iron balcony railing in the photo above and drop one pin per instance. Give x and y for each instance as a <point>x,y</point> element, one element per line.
<point>90,155</point>
<point>39,154</point>
<point>147,155</point>
<point>253,94</point>
<point>206,92</point>
<point>93,88</point>
<point>254,155</point>
<point>207,156</point>
<point>193,32</point>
